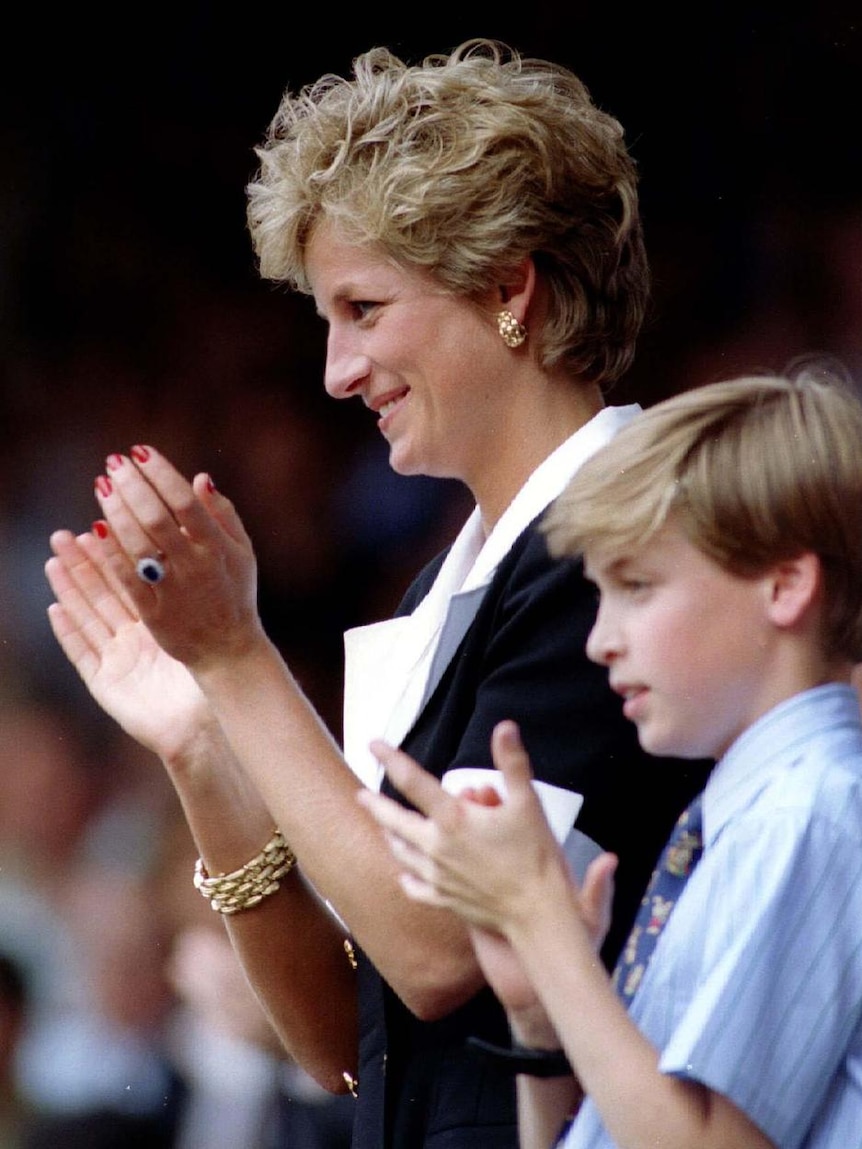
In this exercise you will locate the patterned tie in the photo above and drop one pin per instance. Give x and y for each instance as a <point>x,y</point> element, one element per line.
<point>675,866</point>
<point>681,854</point>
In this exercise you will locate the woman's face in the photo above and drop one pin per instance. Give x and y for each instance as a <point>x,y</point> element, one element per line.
<point>430,365</point>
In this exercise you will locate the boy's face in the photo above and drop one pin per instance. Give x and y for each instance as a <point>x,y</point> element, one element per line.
<point>687,645</point>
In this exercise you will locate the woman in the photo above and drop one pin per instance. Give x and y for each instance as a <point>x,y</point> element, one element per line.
<point>469,230</point>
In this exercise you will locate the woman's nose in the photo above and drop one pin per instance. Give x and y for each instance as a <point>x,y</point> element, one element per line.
<point>346,366</point>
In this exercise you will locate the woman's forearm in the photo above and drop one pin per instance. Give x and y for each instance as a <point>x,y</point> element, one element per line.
<point>290,945</point>
<point>289,772</point>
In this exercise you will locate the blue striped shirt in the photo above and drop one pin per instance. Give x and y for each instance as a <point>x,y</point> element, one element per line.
<point>755,986</point>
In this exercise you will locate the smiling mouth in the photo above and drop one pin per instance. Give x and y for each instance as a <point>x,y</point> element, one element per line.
<point>389,406</point>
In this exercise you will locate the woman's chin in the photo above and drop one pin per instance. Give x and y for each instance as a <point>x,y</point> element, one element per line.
<point>405,462</point>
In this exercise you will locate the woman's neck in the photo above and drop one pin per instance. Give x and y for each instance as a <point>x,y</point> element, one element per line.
<point>534,431</point>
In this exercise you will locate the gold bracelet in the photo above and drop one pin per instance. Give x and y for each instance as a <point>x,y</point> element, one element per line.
<point>251,883</point>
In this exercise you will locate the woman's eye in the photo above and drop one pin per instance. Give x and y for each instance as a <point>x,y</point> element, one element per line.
<point>362,308</point>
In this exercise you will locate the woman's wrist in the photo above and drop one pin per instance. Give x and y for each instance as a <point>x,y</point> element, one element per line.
<point>194,745</point>
<point>249,648</point>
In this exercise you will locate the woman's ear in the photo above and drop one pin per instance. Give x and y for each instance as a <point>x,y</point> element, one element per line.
<point>793,587</point>
<point>516,294</point>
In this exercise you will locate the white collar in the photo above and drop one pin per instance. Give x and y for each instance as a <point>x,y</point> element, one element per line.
<point>472,559</point>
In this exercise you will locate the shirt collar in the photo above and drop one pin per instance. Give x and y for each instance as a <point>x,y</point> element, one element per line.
<point>769,745</point>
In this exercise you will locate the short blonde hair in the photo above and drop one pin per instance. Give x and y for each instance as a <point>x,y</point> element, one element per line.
<point>753,470</point>
<point>462,166</point>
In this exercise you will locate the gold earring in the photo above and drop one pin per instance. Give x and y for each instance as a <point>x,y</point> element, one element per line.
<point>511,331</point>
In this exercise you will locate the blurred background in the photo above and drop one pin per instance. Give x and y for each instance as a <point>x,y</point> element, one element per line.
<point>130,311</point>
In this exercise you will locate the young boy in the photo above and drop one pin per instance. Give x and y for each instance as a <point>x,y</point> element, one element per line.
<point>723,529</point>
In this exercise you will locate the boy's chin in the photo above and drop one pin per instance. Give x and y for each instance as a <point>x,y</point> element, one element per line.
<point>666,746</point>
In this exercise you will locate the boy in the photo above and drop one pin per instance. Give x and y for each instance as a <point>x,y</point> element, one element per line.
<point>723,529</point>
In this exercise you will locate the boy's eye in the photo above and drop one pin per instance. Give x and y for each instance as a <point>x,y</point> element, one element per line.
<point>634,585</point>
<point>362,308</point>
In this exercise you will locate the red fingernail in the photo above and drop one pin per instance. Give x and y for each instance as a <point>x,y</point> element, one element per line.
<point>140,454</point>
<point>210,484</point>
<point>114,461</point>
<point>100,529</point>
<point>104,486</point>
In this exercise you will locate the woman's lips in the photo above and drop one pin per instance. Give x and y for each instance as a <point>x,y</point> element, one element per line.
<point>389,406</point>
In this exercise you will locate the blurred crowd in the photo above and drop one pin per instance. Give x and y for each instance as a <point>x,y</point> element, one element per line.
<point>124,1019</point>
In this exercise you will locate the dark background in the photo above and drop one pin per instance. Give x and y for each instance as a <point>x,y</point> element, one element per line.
<point>130,309</point>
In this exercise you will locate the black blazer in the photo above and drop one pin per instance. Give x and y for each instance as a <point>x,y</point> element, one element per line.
<point>521,656</point>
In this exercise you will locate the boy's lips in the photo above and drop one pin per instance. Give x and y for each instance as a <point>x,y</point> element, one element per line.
<point>632,696</point>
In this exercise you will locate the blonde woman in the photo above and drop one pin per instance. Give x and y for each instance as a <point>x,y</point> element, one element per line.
<point>469,230</point>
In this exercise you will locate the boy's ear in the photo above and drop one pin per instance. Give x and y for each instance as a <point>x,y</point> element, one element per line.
<point>794,584</point>
<point>517,293</point>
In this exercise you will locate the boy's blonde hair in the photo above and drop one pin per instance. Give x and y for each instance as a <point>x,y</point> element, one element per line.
<point>461,166</point>
<point>753,470</point>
